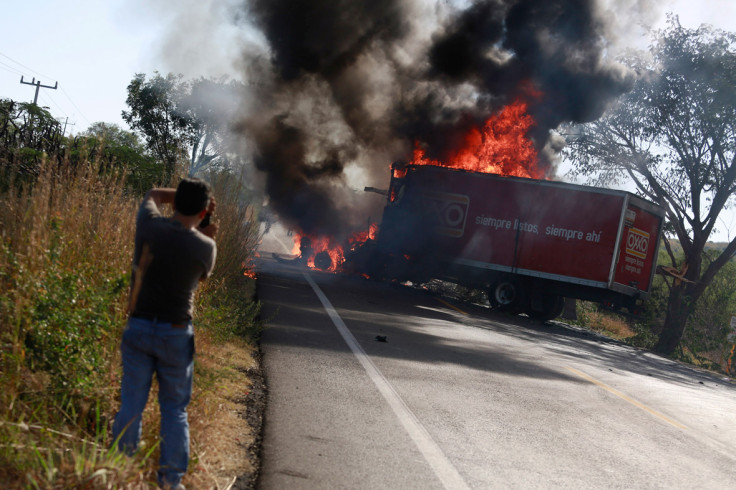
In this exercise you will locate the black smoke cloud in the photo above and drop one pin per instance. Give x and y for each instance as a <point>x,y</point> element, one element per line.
<point>350,84</point>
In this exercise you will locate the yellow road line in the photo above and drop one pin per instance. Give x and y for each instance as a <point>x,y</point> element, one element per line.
<point>452,306</point>
<point>627,398</point>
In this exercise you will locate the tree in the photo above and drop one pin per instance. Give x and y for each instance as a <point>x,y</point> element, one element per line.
<point>115,147</point>
<point>27,131</point>
<point>674,137</point>
<point>179,117</point>
<point>113,135</point>
<point>209,105</point>
<point>153,112</point>
<point>709,326</point>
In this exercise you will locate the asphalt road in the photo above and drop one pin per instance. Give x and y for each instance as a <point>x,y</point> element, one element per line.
<point>460,397</point>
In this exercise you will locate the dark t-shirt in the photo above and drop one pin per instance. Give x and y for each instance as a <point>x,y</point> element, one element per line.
<point>179,258</point>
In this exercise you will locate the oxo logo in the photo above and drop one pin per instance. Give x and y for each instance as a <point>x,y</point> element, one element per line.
<point>449,212</point>
<point>637,243</point>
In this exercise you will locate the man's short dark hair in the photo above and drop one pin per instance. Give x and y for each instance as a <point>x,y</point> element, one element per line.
<point>192,196</point>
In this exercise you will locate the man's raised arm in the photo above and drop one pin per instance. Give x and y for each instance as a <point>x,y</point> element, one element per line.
<point>161,195</point>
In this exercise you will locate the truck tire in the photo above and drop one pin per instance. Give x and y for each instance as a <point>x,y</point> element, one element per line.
<point>323,261</point>
<point>546,307</point>
<point>505,295</point>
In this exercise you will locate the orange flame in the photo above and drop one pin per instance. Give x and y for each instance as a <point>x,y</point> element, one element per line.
<point>361,236</point>
<point>500,147</point>
<point>317,245</point>
<point>400,173</point>
<point>249,267</point>
<point>336,252</point>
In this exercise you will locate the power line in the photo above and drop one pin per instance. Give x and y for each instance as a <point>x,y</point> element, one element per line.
<point>65,118</point>
<point>75,106</point>
<point>52,101</point>
<point>10,68</point>
<point>24,66</point>
<point>45,76</point>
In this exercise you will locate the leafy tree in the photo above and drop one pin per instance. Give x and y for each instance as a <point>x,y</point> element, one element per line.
<point>154,113</point>
<point>27,131</point>
<point>115,147</point>
<point>114,135</point>
<point>707,328</point>
<point>709,325</point>
<point>179,117</point>
<point>209,104</point>
<point>674,137</point>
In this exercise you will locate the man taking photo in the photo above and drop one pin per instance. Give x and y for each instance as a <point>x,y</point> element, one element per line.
<point>171,256</point>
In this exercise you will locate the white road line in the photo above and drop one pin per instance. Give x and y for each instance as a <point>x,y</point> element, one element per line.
<point>445,471</point>
<point>288,250</point>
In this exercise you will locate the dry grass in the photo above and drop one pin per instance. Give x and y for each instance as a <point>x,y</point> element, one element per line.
<point>65,251</point>
<point>65,255</point>
<point>221,437</point>
<point>608,324</point>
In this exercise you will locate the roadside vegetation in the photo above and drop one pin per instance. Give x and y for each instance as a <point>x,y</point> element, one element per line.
<point>705,340</point>
<point>66,236</point>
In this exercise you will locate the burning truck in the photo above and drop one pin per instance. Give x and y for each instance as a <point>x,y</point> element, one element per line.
<point>486,218</point>
<point>529,243</point>
<point>482,86</point>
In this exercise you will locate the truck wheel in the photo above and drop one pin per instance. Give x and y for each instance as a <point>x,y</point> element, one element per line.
<point>547,307</point>
<point>323,261</point>
<point>504,296</point>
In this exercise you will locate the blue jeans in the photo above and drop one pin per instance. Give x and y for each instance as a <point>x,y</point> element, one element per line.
<point>150,347</point>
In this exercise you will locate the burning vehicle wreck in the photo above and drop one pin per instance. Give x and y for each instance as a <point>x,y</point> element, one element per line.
<point>528,243</point>
<point>471,95</point>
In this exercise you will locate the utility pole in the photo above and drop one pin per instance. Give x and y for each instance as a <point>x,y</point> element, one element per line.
<point>63,133</point>
<point>38,85</point>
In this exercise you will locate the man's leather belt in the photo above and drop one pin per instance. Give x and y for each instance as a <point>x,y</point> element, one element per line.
<point>160,319</point>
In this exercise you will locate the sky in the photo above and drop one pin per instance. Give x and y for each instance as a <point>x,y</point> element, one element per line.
<point>91,48</point>
<point>94,48</point>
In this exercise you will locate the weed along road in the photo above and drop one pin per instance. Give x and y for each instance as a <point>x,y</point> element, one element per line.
<point>378,386</point>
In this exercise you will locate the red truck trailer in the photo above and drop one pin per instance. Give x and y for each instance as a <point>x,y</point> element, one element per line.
<point>529,243</point>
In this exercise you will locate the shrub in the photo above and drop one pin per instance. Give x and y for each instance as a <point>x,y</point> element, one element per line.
<point>63,264</point>
<point>232,282</point>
